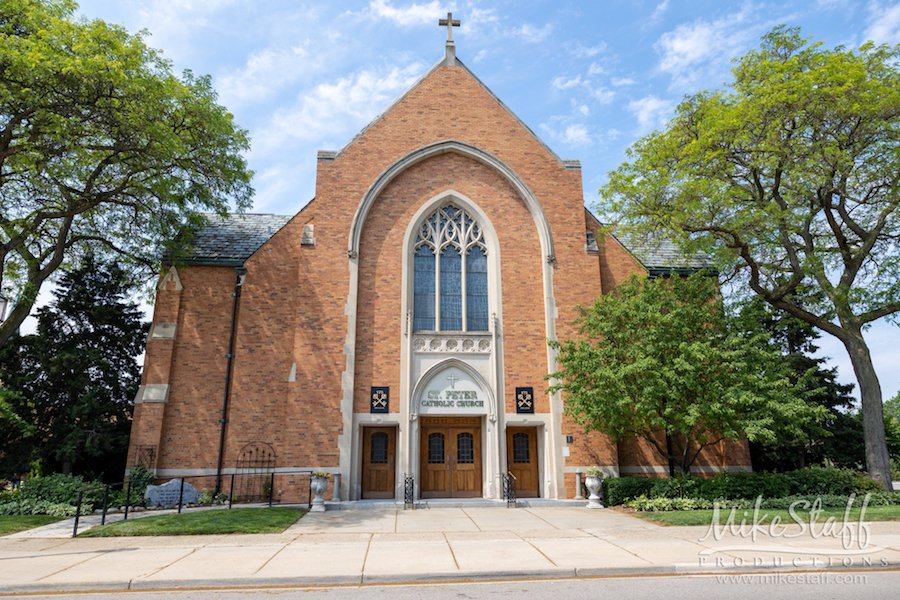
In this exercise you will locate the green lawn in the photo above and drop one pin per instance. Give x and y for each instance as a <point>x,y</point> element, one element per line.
<point>21,523</point>
<point>235,520</point>
<point>704,517</point>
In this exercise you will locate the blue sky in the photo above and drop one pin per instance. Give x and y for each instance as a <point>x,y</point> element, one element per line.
<point>588,77</point>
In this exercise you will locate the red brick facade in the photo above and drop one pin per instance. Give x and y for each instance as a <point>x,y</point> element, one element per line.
<point>317,326</point>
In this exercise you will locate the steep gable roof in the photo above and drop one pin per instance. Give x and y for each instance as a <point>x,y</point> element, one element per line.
<point>450,60</point>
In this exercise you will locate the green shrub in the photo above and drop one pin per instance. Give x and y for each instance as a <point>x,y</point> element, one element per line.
<point>835,481</point>
<point>61,489</point>
<point>140,478</point>
<point>676,487</point>
<point>643,503</point>
<point>616,490</point>
<point>812,481</point>
<point>40,507</point>
<point>744,485</point>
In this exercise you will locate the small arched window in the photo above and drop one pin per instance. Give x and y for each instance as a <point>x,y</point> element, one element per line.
<point>450,294</point>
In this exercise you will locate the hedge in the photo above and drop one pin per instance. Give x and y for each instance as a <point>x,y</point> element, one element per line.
<point>812,481</point>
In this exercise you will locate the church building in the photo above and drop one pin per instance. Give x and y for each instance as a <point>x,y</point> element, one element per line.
<point>396,327</point>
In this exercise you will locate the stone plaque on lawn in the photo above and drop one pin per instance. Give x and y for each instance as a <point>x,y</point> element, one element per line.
<point>167,494</point>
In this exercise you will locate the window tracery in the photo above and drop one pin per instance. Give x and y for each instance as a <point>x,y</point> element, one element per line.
<point>450,285</point>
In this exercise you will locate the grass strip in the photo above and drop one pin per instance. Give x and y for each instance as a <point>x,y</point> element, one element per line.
<point>704,517</point>
<point>12,524</point>
<point>206,522</point>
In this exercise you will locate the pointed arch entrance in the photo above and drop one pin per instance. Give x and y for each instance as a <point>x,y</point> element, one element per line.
<point>452,401</point>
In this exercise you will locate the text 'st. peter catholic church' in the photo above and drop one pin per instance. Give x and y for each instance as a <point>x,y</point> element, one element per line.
<point>398,324</point>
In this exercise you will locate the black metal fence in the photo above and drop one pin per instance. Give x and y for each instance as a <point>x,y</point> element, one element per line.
<point>269,497</point>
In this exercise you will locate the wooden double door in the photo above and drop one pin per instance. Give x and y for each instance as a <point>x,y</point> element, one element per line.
<point>522,460</point>
<point>450,457</point>
<point>379,454</point>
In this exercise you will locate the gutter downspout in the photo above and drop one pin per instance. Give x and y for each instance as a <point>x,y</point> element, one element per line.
<point>239,274</point>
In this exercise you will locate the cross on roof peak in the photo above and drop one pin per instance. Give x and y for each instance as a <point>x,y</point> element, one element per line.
<point>450,22</point>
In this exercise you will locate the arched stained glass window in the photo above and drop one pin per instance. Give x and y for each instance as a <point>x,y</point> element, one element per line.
<point>450,293</point>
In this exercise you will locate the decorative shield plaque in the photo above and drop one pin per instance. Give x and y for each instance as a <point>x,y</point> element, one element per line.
<point>380,397</point>
<point>525,400</point>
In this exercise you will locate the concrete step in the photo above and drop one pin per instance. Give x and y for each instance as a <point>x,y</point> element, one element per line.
<point>456,503</point>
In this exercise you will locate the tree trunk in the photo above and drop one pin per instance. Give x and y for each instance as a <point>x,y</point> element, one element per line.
<point>878,461</point>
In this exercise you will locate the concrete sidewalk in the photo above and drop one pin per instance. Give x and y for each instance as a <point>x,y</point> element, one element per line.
<point>440,544</point>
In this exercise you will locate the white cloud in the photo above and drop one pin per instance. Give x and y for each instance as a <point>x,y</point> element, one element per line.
<point>884,23</point>
<point>585,52</point>
<point>658,13</point>
<point>530,33</point>
<point>651,112</point>
<point>561,83</point>
<point>263,74</point>
<point>332,110</point>
<point>560,129</point>
<point>694,51</point>
<point>597,69</point>
<point>414,14</point>
<point>173,23</point>
<point>620,81</point>
<point>598,93</point>
<point>577,135</point>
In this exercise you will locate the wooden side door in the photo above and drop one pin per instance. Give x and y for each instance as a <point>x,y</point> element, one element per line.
<point>522,460</point>
<point>379,451</point>
<point>466,462</point>
<point>436,459</point>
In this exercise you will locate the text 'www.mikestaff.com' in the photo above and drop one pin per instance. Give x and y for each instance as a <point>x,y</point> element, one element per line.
<point>795,579</point>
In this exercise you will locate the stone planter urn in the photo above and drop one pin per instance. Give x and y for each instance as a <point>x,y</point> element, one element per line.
<point>318,484</point>
<point>592,482</point>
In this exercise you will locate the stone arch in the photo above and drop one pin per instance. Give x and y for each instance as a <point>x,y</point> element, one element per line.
<point>468,150</point>
<point>466,368</point>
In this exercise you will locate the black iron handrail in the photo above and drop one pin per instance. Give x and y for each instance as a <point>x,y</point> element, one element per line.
<point>509,489</point>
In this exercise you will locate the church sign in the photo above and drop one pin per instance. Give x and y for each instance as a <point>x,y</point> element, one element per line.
<point>452,392</point>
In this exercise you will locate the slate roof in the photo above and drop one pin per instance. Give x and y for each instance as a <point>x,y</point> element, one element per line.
<point>233,239</point>
<point>662,256</point>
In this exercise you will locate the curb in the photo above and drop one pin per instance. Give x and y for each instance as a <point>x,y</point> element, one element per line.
<point>422,578</point>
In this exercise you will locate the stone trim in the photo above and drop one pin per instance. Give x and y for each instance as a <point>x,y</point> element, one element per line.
<point>153,392</point>
<point>235,471</point>
<point>163,331</point>
<point>451,342</point>
<point>171,275</point>
<point>701,469</point>
<point>608,470</point>
<point>463,149</point>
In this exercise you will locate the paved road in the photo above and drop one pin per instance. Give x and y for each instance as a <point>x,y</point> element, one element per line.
<point>797,586</point>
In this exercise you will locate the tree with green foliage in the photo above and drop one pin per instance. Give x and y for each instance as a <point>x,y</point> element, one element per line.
<point>76,378</point>
<point>660,359</point>
<point>892,406</point>
<point>826,439</point>
<point>788,178</point>
<point>102,149</point>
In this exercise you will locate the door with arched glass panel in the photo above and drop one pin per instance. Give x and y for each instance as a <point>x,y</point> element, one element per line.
<point>378,462</point>
<point>450,457</point>
<point>521,460</point>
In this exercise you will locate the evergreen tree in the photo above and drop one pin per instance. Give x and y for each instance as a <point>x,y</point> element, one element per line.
<point>76,378</point>
<point>838,438</point>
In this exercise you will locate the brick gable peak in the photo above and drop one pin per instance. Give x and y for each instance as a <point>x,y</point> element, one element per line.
<point>450,60</point>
